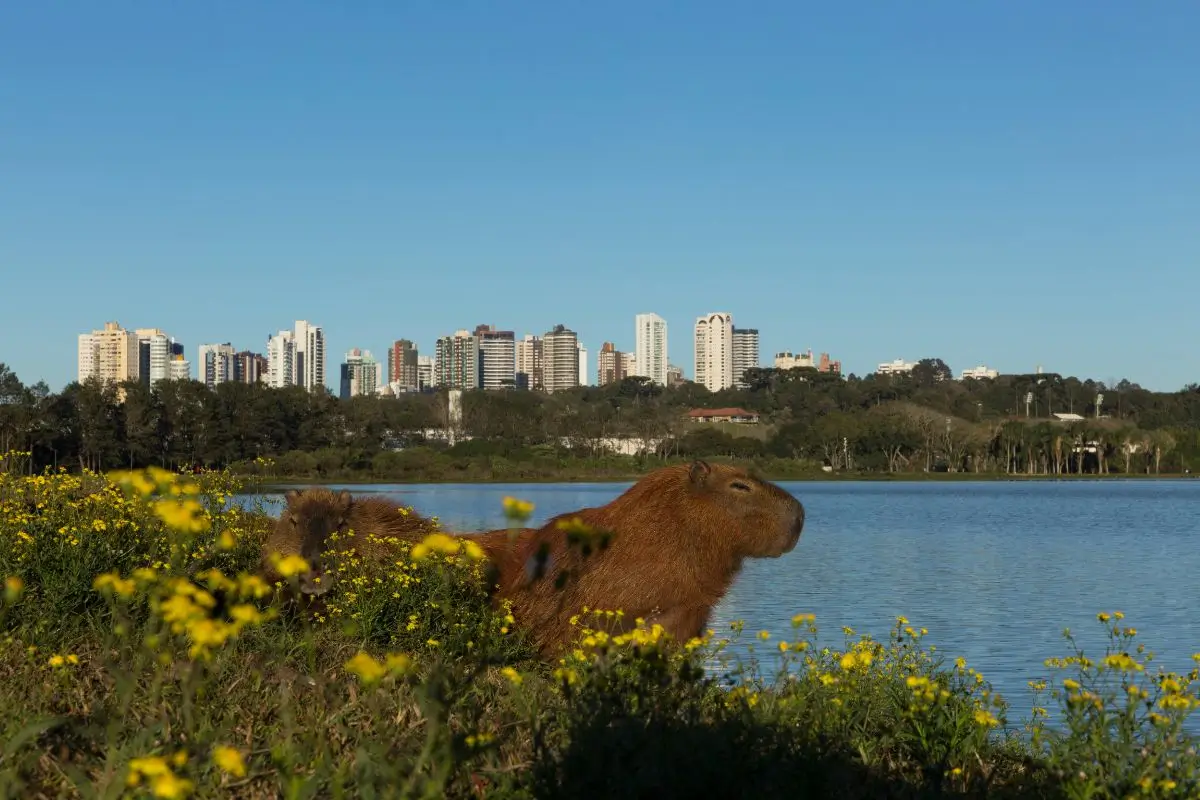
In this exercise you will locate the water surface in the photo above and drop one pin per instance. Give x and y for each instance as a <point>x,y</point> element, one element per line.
<point>995,570</point>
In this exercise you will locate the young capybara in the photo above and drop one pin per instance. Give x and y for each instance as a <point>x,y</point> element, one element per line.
<point>364,524</point>
<point>678,539</point>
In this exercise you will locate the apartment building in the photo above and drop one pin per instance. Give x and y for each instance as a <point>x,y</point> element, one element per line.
<point>402,364</point>
<point>309,355</point>
<point>216,364</point>
<point>560,359</point>
<point>497,357</point>
<point>650,347</point>
<point>745,354</point>
<point>456,361</point>
<point>529,363</point>
<point>359,374</point>
<point>111,355</point>
<point>714,351</point>
<point>281,360</point>
<point>611,365</point>
<point>249,367</point>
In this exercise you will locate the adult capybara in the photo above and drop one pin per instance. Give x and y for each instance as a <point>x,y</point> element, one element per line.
<point>368,525</point>
<point>678,539</point>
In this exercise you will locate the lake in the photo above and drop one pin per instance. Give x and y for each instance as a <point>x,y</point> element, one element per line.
<point>994,569</point>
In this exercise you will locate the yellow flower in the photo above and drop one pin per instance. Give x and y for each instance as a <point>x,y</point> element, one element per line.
<point>512,675</point>
<point>985,719</point>
<point>801,619</point>
<point>1103,617</point>
<point>291,565</point>
<point>13,586</point>
<point>517,510</point>
<point>1071,685</point>
<point>764,635</point>
<point>229,760</point>
<point>365,667</point>
<point>398,663</point>
<point>847,661</point>
<point>56,661</point>
<point>170,786</point>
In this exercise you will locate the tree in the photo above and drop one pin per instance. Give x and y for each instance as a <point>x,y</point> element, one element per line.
<point>931,371</point>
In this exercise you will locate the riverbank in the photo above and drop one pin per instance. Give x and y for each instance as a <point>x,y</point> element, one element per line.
<point>283,482</point>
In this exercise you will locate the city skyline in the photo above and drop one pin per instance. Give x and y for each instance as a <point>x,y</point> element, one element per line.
<point>485,358</point>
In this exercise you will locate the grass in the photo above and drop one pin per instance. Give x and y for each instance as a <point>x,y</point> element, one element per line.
<point>142,657</point>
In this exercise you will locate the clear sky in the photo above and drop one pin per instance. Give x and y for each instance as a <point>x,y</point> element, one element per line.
<point>1006,182</point>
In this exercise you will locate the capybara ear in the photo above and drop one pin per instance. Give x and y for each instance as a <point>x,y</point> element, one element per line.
<point>292,495</point>
<point>345,499</point>
<point>699,472</point>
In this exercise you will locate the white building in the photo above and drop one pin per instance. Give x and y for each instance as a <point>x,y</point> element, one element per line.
<point>216,364</point>
<point>310,355</point>
<point>497,357</point>
<point>360,374</point>
<point>650,347</point>
<point>745,354</point>
<point>979,373</point>
<point>424,372</point>
<point>529,362</point>
<point>155,351</point>
<point>583,362</point>
<point>179,369</point>
<point>281,360</point>
<point>897,367</point>
<point>560,359</point>
<point>714,351</point>
<point>788,360</point>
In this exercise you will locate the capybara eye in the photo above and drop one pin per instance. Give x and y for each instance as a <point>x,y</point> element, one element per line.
<point>741,487</point>
<point>295,520</point>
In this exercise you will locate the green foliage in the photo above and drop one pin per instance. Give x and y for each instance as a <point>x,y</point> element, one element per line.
<point>917,423</point>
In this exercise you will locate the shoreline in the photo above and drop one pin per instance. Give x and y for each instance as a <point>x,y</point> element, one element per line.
<point>939,477</point>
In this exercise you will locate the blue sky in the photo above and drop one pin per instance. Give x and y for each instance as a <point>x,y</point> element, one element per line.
<point>1009,183</point>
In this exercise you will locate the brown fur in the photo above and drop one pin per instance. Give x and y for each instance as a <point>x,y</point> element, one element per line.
<point>311,516</point>
<point>677,539</point>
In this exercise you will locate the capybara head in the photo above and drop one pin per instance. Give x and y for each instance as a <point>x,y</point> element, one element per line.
<point>306,524</point>
<point>765,519</point>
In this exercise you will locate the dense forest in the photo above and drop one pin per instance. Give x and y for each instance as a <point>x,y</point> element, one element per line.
<point>809,422</point>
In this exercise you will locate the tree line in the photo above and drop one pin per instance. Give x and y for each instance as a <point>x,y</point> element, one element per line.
<point>920,422</point>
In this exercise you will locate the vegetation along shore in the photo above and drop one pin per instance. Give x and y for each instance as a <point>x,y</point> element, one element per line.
<point>143,655</point>
<point>794,424</point>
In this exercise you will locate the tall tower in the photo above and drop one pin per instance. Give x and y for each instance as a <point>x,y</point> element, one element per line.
<point>714,351</point>
<point>650,347</point>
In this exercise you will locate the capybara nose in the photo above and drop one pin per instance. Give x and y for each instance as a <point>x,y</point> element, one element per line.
<point>797,525</point>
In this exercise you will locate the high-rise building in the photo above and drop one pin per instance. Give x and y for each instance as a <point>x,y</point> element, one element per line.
<point>281,359</point>
<point>497,357</point>
<point>425,372</point>
<point>745,354</point>
<point>714,351</point>
<point>402,364</point>
<point>650,347</point>
<point>250,367</point>
<point>111,355</point>
<point>216,364</point>
<point>360,374</point>
<point>611,365</point>
<point>560,359</point>
<point>674,375</point>
<point>828,365</point>
<point>155,350</point>
<point>584,378</point>
<point>179,368</point>
<point>456,361</point>
<point>310,355</point>
<point>529,362</point>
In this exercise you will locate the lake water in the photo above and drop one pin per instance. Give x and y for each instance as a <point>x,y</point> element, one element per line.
<point>995,570</point>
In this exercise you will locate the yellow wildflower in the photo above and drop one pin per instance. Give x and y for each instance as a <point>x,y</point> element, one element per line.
<point>517,510</point>
<point>512,675</point>
<point>13,587</point>
<point>229,760</point>
<point>291,565</point>
<point>365,667</point>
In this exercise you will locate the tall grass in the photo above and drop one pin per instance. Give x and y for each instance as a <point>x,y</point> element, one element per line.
<point>141,656</point>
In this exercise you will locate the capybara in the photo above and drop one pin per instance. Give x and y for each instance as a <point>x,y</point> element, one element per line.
<point>678,539</point>
<point>666,550</point>
<point>313,515</point>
